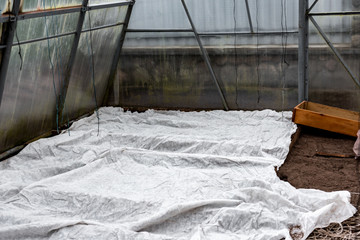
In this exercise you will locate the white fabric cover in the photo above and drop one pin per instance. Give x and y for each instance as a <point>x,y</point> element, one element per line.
<point>162,175</point>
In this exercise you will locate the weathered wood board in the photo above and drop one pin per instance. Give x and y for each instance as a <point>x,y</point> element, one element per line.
<point>327,118</point>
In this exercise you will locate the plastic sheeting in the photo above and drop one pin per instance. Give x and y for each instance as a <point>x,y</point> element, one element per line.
<point>162,175</point>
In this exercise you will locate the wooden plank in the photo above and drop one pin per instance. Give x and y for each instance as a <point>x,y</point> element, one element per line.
<point>327,118</point>
<point>335,155</point>
<point>333,111</point>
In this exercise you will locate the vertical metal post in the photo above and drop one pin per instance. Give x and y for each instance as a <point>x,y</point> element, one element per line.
<point>117,54</point>
<point>62,97</point>
<point>8,38</point>
<point>303,74</point>
<point>206,57</point>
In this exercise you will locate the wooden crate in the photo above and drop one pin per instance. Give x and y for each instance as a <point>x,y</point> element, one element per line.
<point>327,118</point>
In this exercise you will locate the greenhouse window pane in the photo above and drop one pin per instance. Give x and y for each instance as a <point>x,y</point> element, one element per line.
<point>32,5</point>
<point>158,14</point>
<point>163,76</point>
<point>36,27</point>
<point>105,16</point>
<point>80,98</point>
<point>28,107</point>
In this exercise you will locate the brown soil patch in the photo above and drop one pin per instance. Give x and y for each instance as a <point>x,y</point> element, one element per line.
<point>304,168</point>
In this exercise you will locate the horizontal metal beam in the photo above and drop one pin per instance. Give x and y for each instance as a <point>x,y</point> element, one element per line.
<point>334,13</point>
<point>109,5</point>
<point>245,33</point>
<point>102,27</point>
<point>158,30</point>
<point>64,34</point>
<point>147,30</point>
<point>39,13</point>
<point>59,11</point>
<point>209,33</point>
<point>337,54</point>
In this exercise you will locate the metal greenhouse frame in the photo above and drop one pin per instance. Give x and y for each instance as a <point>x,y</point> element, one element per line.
<point>306,14</point>
<point>10,22</point>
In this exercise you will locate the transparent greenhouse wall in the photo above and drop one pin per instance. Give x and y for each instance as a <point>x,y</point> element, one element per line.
<point>161,77</point>
<point>255,71</point>
<point>89,71</point>
<point>29,99</point>
<point>36,75</point>
<point>328,80</point>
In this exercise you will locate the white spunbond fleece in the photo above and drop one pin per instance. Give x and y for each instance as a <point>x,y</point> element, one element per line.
<point>163,175</point>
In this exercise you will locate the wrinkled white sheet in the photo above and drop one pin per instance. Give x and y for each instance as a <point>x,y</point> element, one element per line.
<point>162,175</point>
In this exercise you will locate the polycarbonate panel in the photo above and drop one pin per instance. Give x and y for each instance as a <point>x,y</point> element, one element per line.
<point>254,76</point>
<point>329,83</point>
<point>163,77</point>
<point>339,29</point>
<point>158,14</point>
<point>105,16</point>
<point>36,27</point>
<point>80,97</point>
<point>231,16</point>
<point>28,107</point>
<point>32,5</point>
<point>331,5</point>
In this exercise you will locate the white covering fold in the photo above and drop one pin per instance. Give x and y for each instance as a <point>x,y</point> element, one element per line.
<point>162,175</point>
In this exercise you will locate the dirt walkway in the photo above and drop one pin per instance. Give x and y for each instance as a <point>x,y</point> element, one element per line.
<point>325,161</point>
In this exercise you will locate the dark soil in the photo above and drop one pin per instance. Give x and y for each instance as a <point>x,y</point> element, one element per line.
<point>305,168</point>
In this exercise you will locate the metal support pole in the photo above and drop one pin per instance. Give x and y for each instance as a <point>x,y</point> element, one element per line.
<point>8,39</point>
<point>337,54</point>
<point>158,30</point>
<point>249,16</point>
<point>62,97</point>
<point>312,6</point>
<point>335,13</point>
<point>117,54</point>
<point>206,57</point>
<point>303,74</point>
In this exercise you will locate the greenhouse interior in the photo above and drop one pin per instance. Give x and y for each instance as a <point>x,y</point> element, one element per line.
<point>180,119</point>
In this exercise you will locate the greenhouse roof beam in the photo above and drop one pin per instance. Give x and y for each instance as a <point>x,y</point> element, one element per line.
<point>59,11</point>
<point>6,52</point>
